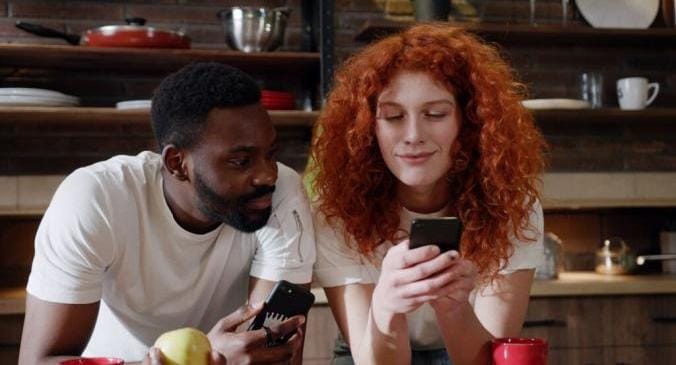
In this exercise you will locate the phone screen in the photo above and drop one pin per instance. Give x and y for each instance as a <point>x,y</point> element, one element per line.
<point>444,232</point>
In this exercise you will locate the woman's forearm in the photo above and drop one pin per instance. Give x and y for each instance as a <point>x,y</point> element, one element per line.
<point>385,340</point>
<point>466,339</point>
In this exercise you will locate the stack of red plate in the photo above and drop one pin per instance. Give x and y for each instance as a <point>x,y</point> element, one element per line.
<point>277,100</point>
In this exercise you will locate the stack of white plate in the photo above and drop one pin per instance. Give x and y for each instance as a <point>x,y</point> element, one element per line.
<point>134,104</point>
<point>26,96</point>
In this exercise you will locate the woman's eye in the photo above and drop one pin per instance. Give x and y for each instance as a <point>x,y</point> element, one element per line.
<point>435,115</point>
<point>394,117</point>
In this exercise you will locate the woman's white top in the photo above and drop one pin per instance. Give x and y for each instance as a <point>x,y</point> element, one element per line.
<point>339,264</point>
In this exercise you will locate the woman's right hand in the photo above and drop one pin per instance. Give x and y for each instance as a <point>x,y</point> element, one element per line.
<point>410,277</point>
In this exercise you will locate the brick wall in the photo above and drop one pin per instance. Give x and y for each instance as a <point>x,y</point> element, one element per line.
<point>548,71</point>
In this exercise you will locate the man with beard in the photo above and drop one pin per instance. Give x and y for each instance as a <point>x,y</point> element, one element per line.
<point>135,246</point>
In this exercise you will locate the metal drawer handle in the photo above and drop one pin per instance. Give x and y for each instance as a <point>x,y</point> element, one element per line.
<point>664,320</point>
<point>544,323</point>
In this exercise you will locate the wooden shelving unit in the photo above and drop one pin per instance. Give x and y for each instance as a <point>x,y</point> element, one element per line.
<point>104,116</point>
<point>605,116</point>
<point>544,35</point>
<point>155,61</point>
<point>112,116</point>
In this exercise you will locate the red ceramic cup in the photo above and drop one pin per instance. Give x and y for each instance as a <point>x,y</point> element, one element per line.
<point>93,361</point>
<point>521,351</point>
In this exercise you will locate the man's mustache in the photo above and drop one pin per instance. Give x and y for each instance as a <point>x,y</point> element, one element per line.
<point>259,192</point>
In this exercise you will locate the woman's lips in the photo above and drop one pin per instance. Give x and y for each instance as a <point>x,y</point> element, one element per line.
<point>416,158</point>
<point>261,203</point>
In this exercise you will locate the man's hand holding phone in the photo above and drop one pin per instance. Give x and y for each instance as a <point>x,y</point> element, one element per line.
<point>251,347</point>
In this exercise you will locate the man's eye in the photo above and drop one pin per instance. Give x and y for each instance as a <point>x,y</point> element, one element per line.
<point>240,162</point>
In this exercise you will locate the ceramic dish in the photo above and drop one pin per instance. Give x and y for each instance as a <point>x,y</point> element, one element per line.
<point>628,14</point>
<point>24,100</point>
<point>41,93</point>
<point>556,104</point>
<point>133,104</point>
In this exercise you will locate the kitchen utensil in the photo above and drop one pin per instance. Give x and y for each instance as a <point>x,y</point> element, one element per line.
<point>632,92</point>
<point>614,257</point>
<point>427,10</point>
<point>134,104</point>
<point>26,96</point>
<point>668,246</point>
<point>519,351</point>
<point>640,260</point>
<point>134,34</point>
<point>552,264</point>
<point>254,29</point>
<point>556,104</point>
<point>93,361</point>
<point>591,88</point>
<point>628,14</point>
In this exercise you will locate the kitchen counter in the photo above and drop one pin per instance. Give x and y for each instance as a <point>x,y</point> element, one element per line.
<point>581,283</point>
<point>584,283</point>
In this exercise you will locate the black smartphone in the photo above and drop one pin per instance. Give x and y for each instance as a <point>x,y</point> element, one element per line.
<point>444,232</point>
<point>285,301</point>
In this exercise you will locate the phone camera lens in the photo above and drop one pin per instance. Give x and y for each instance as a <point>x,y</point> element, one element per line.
<point>289,291</point>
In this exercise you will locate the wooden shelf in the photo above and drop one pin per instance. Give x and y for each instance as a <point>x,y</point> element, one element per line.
<point>86,115</point>
<point>545,35</point>
<point>12,300</point>
<point>146,60</point>
<point>107,116</point>
<point>606,116</point>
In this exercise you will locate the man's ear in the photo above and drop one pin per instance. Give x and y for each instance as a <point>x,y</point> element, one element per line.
<point>175,161</point>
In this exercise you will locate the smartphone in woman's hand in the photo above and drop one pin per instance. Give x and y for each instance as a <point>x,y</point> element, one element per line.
<point>443,231</point>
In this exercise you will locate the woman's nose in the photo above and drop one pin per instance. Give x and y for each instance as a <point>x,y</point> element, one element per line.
<point>413,133</point>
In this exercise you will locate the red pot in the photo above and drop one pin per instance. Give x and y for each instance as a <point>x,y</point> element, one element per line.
<point>133,34</point>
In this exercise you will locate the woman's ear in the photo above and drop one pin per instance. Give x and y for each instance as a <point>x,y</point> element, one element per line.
<point>174,160</point>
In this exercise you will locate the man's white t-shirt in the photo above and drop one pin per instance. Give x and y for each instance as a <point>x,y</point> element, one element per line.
<point>109,236</point>
<point>338,264</point>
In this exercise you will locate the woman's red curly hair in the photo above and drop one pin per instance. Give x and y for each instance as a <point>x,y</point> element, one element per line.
<point>495,173</point>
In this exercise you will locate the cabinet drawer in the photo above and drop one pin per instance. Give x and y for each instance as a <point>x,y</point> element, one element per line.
<point>642,320</point>
<point>636,355</point>
<point>576,356</point>
<point>566,322</point>
<point>10,329</point>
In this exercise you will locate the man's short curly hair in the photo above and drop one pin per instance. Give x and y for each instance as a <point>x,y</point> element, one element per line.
<point>183,100</point>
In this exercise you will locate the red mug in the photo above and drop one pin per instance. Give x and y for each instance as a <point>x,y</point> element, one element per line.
<point>521,351</point>
<point>93,361</point>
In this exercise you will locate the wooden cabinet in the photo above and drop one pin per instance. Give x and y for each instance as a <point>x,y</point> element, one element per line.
<point>10,337</point>
<point>605,330</point>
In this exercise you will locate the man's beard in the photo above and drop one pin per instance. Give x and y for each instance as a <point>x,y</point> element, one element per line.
<point>232,211</point>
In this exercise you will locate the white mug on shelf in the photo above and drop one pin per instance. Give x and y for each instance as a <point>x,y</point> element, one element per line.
<point>632,92</point>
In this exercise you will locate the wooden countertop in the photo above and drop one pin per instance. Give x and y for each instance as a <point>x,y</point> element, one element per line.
<point>12,300</point>
<point>583,283</point>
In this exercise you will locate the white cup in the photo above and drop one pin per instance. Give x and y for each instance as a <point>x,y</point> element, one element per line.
<point>632,92</point>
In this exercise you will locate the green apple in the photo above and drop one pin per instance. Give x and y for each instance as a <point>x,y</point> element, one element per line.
<point>185,346</point>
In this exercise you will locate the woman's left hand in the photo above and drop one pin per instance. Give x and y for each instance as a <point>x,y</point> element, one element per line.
<point>454,295</point>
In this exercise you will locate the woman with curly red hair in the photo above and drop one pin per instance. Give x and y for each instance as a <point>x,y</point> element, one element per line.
<point>426,123</point>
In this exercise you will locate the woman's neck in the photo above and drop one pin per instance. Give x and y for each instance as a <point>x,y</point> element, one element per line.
<point>424,199</point>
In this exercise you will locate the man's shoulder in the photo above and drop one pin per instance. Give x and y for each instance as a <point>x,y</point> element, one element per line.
<point>121,168</point>
<point>288,186</point>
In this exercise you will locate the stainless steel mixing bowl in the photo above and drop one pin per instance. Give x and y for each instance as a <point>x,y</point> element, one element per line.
<point>254,29</point>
